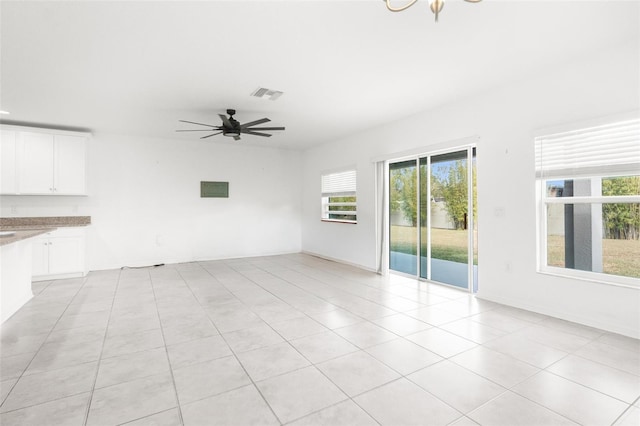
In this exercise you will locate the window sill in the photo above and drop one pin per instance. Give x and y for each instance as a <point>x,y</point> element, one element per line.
<point>353,222</point>
<point>594,277</point>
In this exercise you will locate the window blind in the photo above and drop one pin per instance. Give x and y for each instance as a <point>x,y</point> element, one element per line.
<point>607,150</point>
<point>339,184</point>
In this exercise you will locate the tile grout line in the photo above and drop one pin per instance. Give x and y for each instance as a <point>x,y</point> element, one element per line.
<point>166,351</point>
<point>629,408</point>
<point>226,343</point>
<point>144,417</point>
<point>478,345</point>
<point>355,295</point>
<point>585,386</point>
<point>40,347</point>
<point>545,369</point>
<point>406,378</point>
<point>540,370</point>
<point>243,273</point>
<point>276,293</point>
<point>602,364</point>
<point>315,365</point>
<point>365,319</point>
<point>337,275</point>
<point>567,355</point>
<point>106,332</point>
<point>311,363</point>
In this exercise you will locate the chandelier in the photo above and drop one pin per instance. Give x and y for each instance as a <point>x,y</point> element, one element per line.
<point>435,5</point>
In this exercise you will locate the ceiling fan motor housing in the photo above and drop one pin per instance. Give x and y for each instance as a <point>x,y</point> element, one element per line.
<point>232,127</point>
<point>235,129</point>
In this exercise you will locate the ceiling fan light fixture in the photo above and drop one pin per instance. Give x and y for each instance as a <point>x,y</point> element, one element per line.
<point>435,6</point>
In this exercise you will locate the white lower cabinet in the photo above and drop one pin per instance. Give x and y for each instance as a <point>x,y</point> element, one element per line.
<point>59,254</point>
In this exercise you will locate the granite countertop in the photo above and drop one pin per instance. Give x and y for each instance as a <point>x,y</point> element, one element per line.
<point>27,227</point>
<point>16,223</point>
<point>23,234</point>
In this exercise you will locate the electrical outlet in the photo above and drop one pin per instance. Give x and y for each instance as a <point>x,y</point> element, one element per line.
<point>499,212</point>
<point>159,240</point>
<point>14,209</point>
<point>74,209</point>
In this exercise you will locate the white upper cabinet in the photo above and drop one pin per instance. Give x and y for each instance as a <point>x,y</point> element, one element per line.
<point>43,162</point>
<point>8,183</point>
<point>35,163</point>
<point>69,164</point>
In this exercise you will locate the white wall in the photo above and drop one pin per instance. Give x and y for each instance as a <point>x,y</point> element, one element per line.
<point>505,119</point>
<point>145,205</point>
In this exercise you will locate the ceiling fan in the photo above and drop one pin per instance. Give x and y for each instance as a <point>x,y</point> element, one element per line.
<point>232,128</point>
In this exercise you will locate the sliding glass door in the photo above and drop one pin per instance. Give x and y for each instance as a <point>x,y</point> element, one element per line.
<point>433,224</point>
<point>449,219</point>
<point>403,232</point>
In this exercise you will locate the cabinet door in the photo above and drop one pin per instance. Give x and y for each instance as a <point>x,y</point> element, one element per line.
<point>40,262</point>
<point>36,163</point>
<point>65,255</point>
<point>8,162</point>
<point>69,169</point>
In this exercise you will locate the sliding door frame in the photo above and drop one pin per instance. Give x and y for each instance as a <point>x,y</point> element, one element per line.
<point>427,154</point>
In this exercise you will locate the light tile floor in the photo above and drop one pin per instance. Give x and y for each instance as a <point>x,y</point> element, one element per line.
<point>298,340</point>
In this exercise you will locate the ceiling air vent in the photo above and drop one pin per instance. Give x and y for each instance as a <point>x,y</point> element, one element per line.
<point>264,93</point>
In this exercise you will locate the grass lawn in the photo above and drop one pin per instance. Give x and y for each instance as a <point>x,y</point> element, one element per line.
<point>619,257</point>
<point>446,244</point>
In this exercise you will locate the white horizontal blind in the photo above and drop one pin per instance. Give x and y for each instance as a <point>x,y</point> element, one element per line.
<point>341,184</point>
<point>607,150</point>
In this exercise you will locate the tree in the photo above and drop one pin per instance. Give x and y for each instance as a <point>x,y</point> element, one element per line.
<point>403,192</point>
<point>452,186</point>
<point>334,211</point>
<point>621,220</point>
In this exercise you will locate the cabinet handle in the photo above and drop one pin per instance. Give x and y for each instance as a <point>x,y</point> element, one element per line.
<point>51,189</point>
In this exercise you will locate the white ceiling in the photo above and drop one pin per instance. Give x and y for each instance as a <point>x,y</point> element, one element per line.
<point>344,66</point>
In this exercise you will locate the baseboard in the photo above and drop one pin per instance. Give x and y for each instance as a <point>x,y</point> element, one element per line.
<point>633,332</point>
<point>171,261</point>
<point>247,256</point>
<point>58,276</point>
<point>333,259</point>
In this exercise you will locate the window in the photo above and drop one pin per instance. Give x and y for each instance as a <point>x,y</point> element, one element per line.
<point>339,197</point>
<point>589,193</point>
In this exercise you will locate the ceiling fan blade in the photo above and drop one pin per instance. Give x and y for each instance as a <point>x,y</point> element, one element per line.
<point>225,120</point>
<point>266,128</point>
<point>200,124</point>
<point>253,123</point>
<point>198,130</point>
<point>208,136</point>
<point>236,138</point>
<point>250,132</point>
